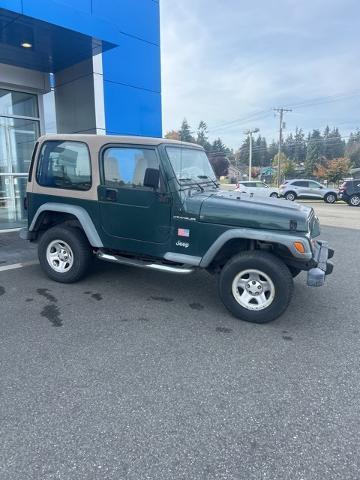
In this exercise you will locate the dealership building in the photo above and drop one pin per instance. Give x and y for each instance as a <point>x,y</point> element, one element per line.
<point>83,66</point>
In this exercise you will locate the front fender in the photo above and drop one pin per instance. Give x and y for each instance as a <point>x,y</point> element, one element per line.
<point>261,235</point>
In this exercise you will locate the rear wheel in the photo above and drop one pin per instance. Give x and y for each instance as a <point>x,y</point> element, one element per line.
<point>330,198</point>
<point>64,254</point>
<point>256,286</point>
<point>354,200</point>
<point>290,196</point>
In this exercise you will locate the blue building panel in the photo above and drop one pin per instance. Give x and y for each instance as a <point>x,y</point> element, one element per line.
<point>132,111</point>
<point>13,5</point>
<point>63,33</point>
<point>139,18</point>
<point>134,63</point>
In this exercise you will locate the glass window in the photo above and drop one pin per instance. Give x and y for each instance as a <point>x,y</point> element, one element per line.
<point>64,164</point>
<point>18,103</point>
<point>314,185</point>
<point>190,165</point>
<point>301,184</point>
<point>17,140</point>
<point>126,167</point>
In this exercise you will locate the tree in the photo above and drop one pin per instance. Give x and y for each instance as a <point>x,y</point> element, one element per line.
<point>315,149</point>
<point>218,147</point>
<point>202,136</point>
<point>185,132</point>
<point>337,169</point>
<point>289,168</point>
<point>334,146</point>
<point>353,149</point>
<point>220,164</point>
<point>173,135</point>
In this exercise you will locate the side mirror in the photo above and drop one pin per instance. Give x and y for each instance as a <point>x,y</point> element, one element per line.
<point>152,178</point>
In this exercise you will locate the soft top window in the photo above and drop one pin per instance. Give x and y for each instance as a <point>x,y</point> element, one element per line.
<point>64,164</point>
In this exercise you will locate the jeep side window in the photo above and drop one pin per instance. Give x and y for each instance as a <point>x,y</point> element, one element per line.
<point>64,164</point>
<point>125,167</point>
<point>301,184</point>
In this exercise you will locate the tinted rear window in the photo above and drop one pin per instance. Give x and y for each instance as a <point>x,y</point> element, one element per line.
<point>64,164</point>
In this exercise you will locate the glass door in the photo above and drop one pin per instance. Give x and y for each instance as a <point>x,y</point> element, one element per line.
<point>19,130</point>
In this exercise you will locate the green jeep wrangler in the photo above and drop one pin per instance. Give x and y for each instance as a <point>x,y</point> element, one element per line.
<point>156,203</point>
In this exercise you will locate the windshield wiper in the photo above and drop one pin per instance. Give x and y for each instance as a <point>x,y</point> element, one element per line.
<point>205,177</point>
<point>192,184</point>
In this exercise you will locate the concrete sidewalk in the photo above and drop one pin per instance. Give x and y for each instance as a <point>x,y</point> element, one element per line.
<point>15,250</point>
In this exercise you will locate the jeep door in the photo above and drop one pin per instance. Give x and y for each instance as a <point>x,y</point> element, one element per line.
<point>130,209</point>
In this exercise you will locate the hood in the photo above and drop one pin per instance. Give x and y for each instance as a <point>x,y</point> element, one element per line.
<point>237,210</point>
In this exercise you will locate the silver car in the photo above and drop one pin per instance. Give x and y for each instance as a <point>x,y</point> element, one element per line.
<point>293,189</point>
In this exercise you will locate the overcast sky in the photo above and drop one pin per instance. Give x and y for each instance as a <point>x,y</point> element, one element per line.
<point>226,60</point>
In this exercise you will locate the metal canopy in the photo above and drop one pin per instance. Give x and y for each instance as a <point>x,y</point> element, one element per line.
<point>50,48</point>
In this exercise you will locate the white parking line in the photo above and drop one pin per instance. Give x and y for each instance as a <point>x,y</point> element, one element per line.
<point>14,266</point>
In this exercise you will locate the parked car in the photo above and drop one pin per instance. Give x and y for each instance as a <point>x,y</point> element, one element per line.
<point>293,189</point>
<point>349,191</point>
<point>256,188</point>
<point>155,203</point>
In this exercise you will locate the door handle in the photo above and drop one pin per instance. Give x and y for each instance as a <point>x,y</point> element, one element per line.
<point>111,195</point>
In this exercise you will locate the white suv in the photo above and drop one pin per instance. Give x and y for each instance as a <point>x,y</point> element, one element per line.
<point>293,189</point>
<point>254,188</point>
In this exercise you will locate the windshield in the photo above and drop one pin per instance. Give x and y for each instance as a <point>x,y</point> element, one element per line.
<point>190,165</point>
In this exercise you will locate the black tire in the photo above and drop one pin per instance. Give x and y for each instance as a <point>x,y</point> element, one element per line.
<point>354,200</point>
<point>274,195</point>
<point>81,250</point>
<point>330,197</point>
<point>290,196</point>
<point>270,265</point>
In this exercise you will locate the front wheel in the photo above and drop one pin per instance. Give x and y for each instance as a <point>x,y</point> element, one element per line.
<point>274,195</point>
<point>256,286</point>
<point>330,198</point>
<point>64,254</point>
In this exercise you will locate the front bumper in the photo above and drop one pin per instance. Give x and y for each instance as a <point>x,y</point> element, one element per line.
<point>322,254</point>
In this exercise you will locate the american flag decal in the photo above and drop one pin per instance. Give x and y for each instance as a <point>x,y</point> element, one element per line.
<point>183,232</point>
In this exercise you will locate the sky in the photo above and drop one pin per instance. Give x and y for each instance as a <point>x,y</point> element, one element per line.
<point>230,62</point>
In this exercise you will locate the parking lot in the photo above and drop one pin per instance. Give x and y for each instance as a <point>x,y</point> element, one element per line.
<point>133,374</point>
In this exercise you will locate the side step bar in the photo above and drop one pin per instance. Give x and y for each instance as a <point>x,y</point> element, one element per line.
<point>142,263</point>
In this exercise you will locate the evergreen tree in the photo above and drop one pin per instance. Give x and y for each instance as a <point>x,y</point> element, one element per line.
<point>353,149</point>
<point>299,154</point>
<point>202,136</point>
<point>334,146</point>
<point>185,132</point>
<point>315,149</point>
<point>218,147</point>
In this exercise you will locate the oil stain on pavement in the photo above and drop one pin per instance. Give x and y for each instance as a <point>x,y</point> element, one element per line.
<point>52,313</point>
<point>162,299</point>
<point>44,292</point>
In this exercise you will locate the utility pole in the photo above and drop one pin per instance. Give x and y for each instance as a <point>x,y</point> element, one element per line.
<point>250,134</point>
<point>281,112</point>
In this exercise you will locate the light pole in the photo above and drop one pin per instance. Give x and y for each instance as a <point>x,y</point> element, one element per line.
<point>250,134</point>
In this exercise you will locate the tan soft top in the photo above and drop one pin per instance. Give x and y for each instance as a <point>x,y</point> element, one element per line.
<point>96,141</point>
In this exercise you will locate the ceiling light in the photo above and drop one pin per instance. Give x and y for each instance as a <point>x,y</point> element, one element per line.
<point>26,45</point>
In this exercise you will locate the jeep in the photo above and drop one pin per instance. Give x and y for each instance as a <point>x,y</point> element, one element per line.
<point>156,203</point>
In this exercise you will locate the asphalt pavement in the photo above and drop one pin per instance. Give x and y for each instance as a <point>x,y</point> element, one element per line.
<point>133,374</point>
